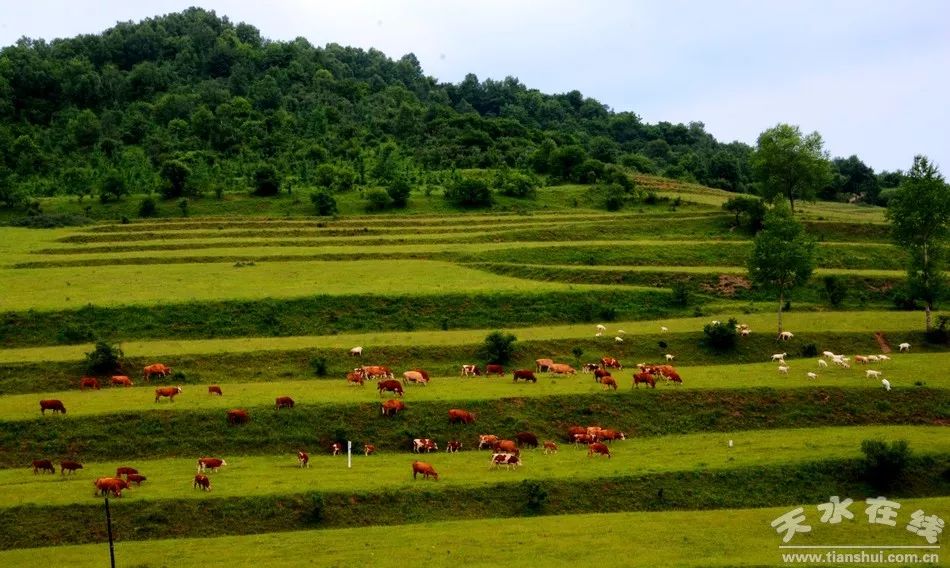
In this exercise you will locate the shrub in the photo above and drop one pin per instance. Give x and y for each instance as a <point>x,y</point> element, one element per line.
<point>148,208</point>
<point>939,335</point>
<point>323,202</point>
<point>183,205</point>
<point>319,366</point>
<point>721,337</point>
<point>75,333</point>
<point>399,190</point>
<point>175,174</point>
<point>104,359</point>
<point>517,184</point>
<point>50,221</point>
<point>112,187</point>
<point>266,181</point>
<point>749,212</point>
<point>809,350</point>
<point>535,497</point>
<point>498,347</point>
<point>884,463</point>
<point>681,295</point>
<point>903,298</point>
<point>377,200</point>
<point>469,192</point>
<point>835,290</point>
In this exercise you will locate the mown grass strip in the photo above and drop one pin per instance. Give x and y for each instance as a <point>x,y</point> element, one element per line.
<point>548,541</point>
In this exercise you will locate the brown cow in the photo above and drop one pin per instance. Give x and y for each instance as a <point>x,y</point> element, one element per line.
<point>376,371</point>
<point>136,479</point>
<point>486,440</point>
<point>303,459</point>
<point>423,372</point>
<point>574,431</point>
<point>453,446</point>
<point>645,378</point>
<point>600,373</point>
<point>610,363</point>
<point>355,378</point>
<point>608,382</point>
<point>238,416</point>
<point>283,402</point>
<point>584,439</point>
<point>526,375</point>
<point>169,392</point>
<point>69,465</point>
<point>202,481</point>
<point>495,370</point>
<point>110,484</point>
<point>155,369</point>
<point>414,377</point>
<point>561,369</point>
<point>458,416</point>
<point>210,463</point>
<point>120,471</point>
<point>610,435</point>
<point>120,380</point>
<point>543,364</point>
<point>215,389</point>
<point>88,383</point>
<point>526,439</point>
<point>425,469</point>
<point>369,449</point>
<point>392,406</point>
<point>45,465</point>
<point>390,385</point>
<point>550,447</point>
<point>52,404</point>
<point>598,448</point>
<point>506,446</point>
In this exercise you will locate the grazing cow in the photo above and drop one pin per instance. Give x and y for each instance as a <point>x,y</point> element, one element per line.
<point>664,329</point>
<point>423,372</point>
<point>495,370</point>
<point>575,430</point>
<point>590,367</point>
<point>215,389</point>
<point>618,339</point>
<point>486,440</point>
<point>526,439</point>
<point>110,484</point>
<point>336,448</point>
<point>210,463</point>
<point>303,459</point>
<point>356,351</point>
<point>470,371</point>
<point>390,385</point>
<point>202,481</point>
<point>120,380</point>
<point>786,335</point>
<point>872,374</point>
<point>283,402</point>
<point>550,447</point>
<point>427,445</point>
<point>238,416</point>
<point>610,435</point>
<point>601,328</point>
<point>355,378</point>
<point>608,382</point>
<point>561,369</point>
<point>507,460</point>
<point>414,377</point>
<point>600,374</point>
<point>904,347</point>
<point>52,404</point>
<point>169,392</point>
<point>811,375</point>
<point>88,383</point>
<point>783,369</point>
<point>670,357</point>
<point>369,449</point>
<point>645,378</point>
<point>828,354</point>
<point>583,439</point>
<point>610,363</point>
<point>526,375</point>
<point>392,406</point>
<point>883,358</point>
<point>69,465</point>
<point>458,416</point>
<point>506,446</point>
<point>453,446</point>
<point>543,364</point>
<point>599,449</point>
<point>136,479</point>
<point>155,369</point>
<point>45,465</point>
<point>425,469</point>
<point>745,332</point>
<point>120,471</point>
<point>376,371</point>
<point>822,364</point>
<point>861,359</point>
<point>886,384</point>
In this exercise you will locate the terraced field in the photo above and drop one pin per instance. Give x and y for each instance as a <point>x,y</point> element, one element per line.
<point>269,306</point>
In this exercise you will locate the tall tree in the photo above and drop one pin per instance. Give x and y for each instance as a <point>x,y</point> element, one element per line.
<point>783,256</point>
<point>788,163</point>
<point>919,213</point>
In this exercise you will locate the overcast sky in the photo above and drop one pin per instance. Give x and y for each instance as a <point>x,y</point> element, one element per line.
<point>872,77</point>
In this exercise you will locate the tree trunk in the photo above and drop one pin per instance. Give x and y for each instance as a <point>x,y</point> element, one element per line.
<point>791,201</point>
<point>928,316</point>
<point>781,302</point>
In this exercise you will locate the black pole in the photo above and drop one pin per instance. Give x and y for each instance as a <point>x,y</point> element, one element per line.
<point>109,528</point>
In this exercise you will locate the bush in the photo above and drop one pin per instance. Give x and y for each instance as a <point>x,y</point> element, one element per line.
<point>749,212</point>
<point>903,298</point>
<point>104,359</point>
<point>517,184</point>
<point>377,200</point>
<point>721,337</point>
<point>469,192</point>
<point>319,366</point>
<point>112,187</point>
<point>399,191</point>
<point>266,182</point>
<point>884,463</point>
<point>681,294</point>
<point>175,174</point>
<point>148,208</point>
<point>324,202</point>
<point>939,335</point>
<point>50,221</point>
<point>535,497</point>
<point>75,333</point>
<point>835,290</point>
<point>498,348</point>
<point>809,350</point>
<point>183,205</point>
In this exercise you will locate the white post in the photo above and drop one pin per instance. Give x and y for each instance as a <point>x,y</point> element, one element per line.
<point>349,454</point>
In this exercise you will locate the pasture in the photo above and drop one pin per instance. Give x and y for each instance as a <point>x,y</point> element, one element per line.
<point>257,299</point>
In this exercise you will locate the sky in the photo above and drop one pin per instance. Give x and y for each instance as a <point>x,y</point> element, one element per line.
<point>872,77</point>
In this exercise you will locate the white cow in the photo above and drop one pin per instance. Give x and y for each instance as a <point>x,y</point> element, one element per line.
<point>812,375</point>
<point>872,374</point>
<point>618,339</point>
<point>779,356</point>
<point>904,347</point>
<point>886,383</point>
<point>822,363</point>
<point>783,369</point>
<point>356,351</point>
<point>786,335</point>
<point>664,329</point>
<point>601,328</point>
<point>669,357</point>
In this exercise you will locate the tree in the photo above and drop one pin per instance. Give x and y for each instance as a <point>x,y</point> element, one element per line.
<point>469,192</point>
<point>175,174</point>
<point>789,164</point>
<point>749,211</point>
<point>498,347</point>
<point>112,187</point>
<point>104,359</point>
<point>783,256</point>
<point>266,181</point>
<point>323,202</point>
<point>919,213</point>
<point>399,190</point>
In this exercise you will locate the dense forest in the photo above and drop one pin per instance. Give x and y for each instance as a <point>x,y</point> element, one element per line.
<point>191,103</point>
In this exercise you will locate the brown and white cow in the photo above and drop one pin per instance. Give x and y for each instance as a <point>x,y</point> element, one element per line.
<point>88,383</point>
<point>495,370</point>
<point>543,365</point>
<point>610,363</point>
<point>414,377</point>
<point>427,445</point>
<point>155,369</point>
<point>389,385</point>
<point>45,465</point>
<point>215,389</point>
<point>608,382</point>
<point>526,375</point>
<point>453,446</point>
<point>53,405</point>
<point>336,448</point>
<point>507,460</point>
<point>70,466</point>
<point>372,371</point>
<point>202,481</point>
<point>470,371</point>
<point>645,378</point>
<point>506,447</point>
<point>458,416</point>
<point>238,416</point>
<point>303,458</point>
<point>369,449</point>
<point>486,440</point>
<point>355,378</point>
<point>120,381</point>
<point>609,435</point>
<point>210,463</point>
<point>169,392</point>
<point>392,406</point>
<point>550,447</point>
<point>283,402</point>
<point>425,469</point>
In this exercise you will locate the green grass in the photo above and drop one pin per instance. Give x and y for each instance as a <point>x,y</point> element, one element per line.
<point>639,539</point>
